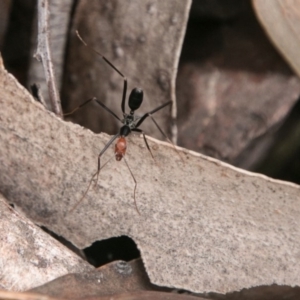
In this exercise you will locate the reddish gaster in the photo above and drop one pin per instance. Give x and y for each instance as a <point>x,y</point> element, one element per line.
<point>120,148</point>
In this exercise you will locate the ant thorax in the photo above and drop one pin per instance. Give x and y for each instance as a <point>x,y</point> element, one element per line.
<point>130,120</point>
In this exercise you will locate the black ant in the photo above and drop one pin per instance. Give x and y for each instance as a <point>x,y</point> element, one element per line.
<point>130,123</point>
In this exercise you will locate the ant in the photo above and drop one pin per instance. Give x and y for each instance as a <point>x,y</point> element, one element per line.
<point>130,123</point>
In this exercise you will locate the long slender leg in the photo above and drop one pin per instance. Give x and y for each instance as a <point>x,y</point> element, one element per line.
<point>81,105</point>
<point>103,151</point>
<point>145,140</point>
<point>158,127</point>
<point>124,95</point>
<point>87,189</point>
<point>162,132</point>
<point>97,101</point>
<point>98,171</point>
<point>111,65</point>
<point>107,109</point>
<point>149,114</point>
<point>135,182</point>
<point>146,115</point>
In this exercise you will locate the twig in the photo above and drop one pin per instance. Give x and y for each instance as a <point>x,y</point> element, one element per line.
<point>43,54</point>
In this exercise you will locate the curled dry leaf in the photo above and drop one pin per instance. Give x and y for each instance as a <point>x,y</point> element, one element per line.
<point>6,295</point>
<point>233,89</point>
<point>118,279</point>
<point>126,296</point>
<point>281,20</point>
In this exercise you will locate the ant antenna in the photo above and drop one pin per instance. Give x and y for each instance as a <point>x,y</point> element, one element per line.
<point>109,63</point>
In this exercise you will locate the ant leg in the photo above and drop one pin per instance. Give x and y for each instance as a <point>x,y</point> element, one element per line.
<point>135,185</point>
<point>102,152</point>
<point>97,173</point>
<point>162,132</point>
<point>112,66</point>
<point>158,127</point>
<point>81,105</point>
<point>149,114</point>
<point>124,95</point>
<point>97,101</point>
<point>144,136</point>
<point>86,191</point>
<point>146,115</point>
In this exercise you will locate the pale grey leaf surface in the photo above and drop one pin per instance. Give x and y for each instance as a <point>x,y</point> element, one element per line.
<point>28,256</point>
<point>204,225</point>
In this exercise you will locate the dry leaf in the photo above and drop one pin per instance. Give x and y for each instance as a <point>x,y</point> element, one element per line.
<point>28,256</point>
<point>204,225</point>
<point>281,20</point>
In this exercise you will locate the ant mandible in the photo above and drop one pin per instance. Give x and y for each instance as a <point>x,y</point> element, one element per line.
<point>130,123</point>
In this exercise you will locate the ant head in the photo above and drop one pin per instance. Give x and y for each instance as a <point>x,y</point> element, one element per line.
<point>135,99</point>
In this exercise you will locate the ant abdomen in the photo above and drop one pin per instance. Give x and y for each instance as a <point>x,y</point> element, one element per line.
<point>135,99</point>
<point>120,148</point>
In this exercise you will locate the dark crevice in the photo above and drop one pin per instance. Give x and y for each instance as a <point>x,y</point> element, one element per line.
<point>117,248</point>
<point>16,46</point>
